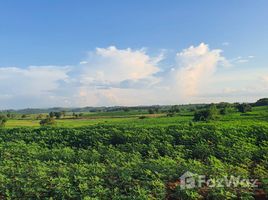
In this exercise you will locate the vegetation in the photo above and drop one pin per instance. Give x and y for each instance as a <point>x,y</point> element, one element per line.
<point>173,110</point>
<point>3,120</point>
<point>49,121</point>
<point>112,162</point>
<point>131,154</point>
<point>210,113</point>
<point>244,107</point>
<point>262,102</point>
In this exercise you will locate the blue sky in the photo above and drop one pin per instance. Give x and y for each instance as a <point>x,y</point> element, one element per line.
<point>61,37</point>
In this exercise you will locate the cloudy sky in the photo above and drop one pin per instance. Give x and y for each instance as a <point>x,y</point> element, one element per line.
<point>95,53</point>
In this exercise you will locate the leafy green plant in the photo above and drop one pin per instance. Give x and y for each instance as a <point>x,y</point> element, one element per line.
<point>3,120</point>
<point>49,121</point>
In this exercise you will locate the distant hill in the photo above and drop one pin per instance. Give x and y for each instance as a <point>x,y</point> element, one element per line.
<point>97,109</point>
<point>260,102</point>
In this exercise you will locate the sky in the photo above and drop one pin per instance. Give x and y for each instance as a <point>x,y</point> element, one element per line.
<point>105,53</point>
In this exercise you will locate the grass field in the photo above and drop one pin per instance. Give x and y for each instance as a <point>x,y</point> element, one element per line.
<point>258,115</point>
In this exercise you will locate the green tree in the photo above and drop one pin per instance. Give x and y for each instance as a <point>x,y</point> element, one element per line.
<point>210,113</point>
<point>224,111</point>
<point>126,109</point>
<point>63,113</point>
<point>23,116</point>
<point>3,120</point>
<point>40,116</point>
<point>244,107</point>
<point>175,109</point>
<point>262,102</point>
<point>52,114</point>
<point>58,115</point>
<point>151,111</point>
<point>49,121</point>
<point>75,115</point>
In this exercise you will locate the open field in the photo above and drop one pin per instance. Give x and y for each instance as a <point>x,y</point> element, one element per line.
<point>258,115</point>
<point>135,155</point>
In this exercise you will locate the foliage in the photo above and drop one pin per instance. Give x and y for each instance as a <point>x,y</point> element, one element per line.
<point>170,114</point>
<point>153,109</point>
<point>3,120</point>
<point>142,117</point>
<point>173,110</point>
<point>210,113</point>
<point>49,121</point>
<point>120,156</point>
<point>118,162</point>
<point>262,102</point>
<point>244,107</point>
<point>23,116</point>
<point>58,115</point>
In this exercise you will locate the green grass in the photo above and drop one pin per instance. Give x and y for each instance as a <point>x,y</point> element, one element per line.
<point>15,123</point>
<point>124,121</point>
<point>259,115</point>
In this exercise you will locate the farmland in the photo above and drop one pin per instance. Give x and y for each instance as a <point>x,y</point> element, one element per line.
<point>134,154</point>
<point>257,116</point>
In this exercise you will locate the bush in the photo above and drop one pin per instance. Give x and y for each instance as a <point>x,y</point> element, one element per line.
<point>224,111</point>
<point>244,107</point>
<point>142,117</point>
<point>170,114</point>
<point>3,120</point>
<point>49,121</point>
<point>205,115</point>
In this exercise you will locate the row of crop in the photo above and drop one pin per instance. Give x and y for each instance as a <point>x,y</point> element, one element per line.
<point>110,162</point>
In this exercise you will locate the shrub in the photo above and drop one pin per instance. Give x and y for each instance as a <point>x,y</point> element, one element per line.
<point>244,107</point>
<point>3,120</point>
<point>142,117</point>
<point>170,114</point>
<point>205,115</point>
<point>49,121</point>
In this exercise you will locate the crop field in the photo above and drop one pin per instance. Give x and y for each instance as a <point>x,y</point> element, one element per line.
<point>256,116</point>
<point>135,154</point>
<point>133,100</point>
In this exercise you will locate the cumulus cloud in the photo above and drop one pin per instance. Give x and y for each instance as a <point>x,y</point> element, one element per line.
<point>103,78</point>
<point>108,72</point>
<point>264,78</point>
<point>195,67</point>
<point>34,82</point>
<point>112,66</point>
<point>112,76</point>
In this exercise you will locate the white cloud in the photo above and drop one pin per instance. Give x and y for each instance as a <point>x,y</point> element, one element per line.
<point>195,67</point>
<point>225,44</point>
<point>241,59</point>
<point>22,85</point>
<point>32,80</point>
<point>112,76</point>
<point>108,74</point>
<point>83,62</point>
<point>264,79</point>
<point>111,66</point>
